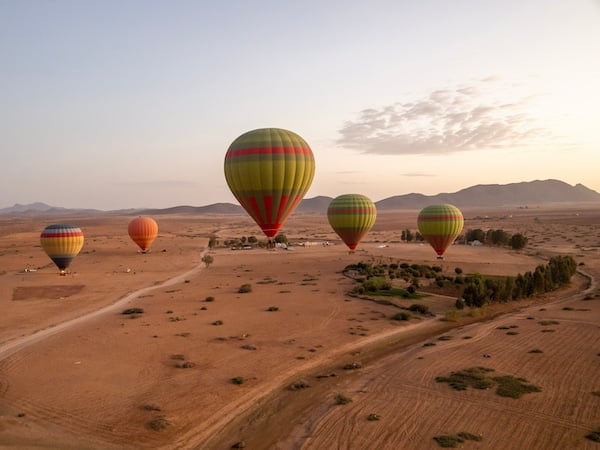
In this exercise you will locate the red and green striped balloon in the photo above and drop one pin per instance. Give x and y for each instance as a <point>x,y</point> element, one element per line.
<point>351,216</point>
<point>269,171</point>
<point>62,244</point>
<point>440,225</point>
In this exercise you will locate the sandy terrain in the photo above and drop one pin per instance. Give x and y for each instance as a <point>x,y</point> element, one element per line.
<point>75,373</point>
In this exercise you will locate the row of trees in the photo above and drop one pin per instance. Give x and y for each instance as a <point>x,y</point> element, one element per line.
<point>491,237</point>
<point>496,237</point>
<point>213,241</point>
<point>480,290</point>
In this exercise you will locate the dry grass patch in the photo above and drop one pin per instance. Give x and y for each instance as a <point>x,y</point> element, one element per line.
<point>477,378</point>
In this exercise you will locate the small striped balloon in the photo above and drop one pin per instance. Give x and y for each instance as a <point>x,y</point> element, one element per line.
<point>440,225</point>
<point>62,243</point>
<point>351,216</point>
<point>143,231</point>
<point>268,171</point>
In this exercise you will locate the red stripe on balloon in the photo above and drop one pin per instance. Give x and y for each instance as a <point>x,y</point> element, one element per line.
<point>428,218</point>
<point>267,151</point>
<point>69,234</point>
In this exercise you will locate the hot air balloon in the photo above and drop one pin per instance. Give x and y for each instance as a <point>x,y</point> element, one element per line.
<point>143,231</point>
<point>440,225</point>
<point>351,216</point>
<point>268,171</point>
<point>62,243</point>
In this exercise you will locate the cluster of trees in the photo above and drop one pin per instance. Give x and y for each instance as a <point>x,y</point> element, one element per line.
<point>405,271</point>
<point>496,237</point>
<point>213,241</point>
<point>408,236</point>
<point>480,290</point>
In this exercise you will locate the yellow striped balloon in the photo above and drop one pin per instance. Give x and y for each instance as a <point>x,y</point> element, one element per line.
<point>62,243</point>
<point>351,216</point>
<point>269,170</point>
<point>440,225</point>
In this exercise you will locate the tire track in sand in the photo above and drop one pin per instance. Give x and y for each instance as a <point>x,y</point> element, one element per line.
<point>11,347</point>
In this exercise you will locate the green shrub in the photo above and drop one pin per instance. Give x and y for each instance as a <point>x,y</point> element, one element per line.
<point>133,311</point>
<point>245,288</point>
<point>509,386</point>
<point>421,309</point>
<point>594,435</point>
<point>447,440</point>
<point>158,423</point>
<point>341,399</point>
<point>401,316</point>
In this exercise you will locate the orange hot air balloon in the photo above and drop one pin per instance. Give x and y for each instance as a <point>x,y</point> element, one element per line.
<point>143,231</point>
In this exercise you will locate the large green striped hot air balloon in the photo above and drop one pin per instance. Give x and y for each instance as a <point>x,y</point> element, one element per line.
<point>62,243</point>
<point>269,170</point>
<point>440,225</point>
<point>351,216</point>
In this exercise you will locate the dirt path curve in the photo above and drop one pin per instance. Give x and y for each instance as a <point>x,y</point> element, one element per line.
<point>11,347</point>
<point>200,435</point>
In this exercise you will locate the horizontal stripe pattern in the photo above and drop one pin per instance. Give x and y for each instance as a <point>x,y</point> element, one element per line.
<point>351,216</point>
<point>269,171</point>
<point>440,225</point>
<point>62,242</point>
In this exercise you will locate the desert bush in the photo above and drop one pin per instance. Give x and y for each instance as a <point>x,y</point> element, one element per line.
<point>447,440</point>
<point>207,260</point>
<point>444,338</point>
<point>459,304</point>
<point>474,377</point>
<point>373,417</point>
<point>401,316</point>
<point>469,436</point>
<point>352,366</point>
<point>132,311</point>
<point>218,322</point>
<point>594,435</point>
<point>535,350</point>
<point>150,407</point>
<point>299,384</point>
<point>245,288</point>
<point>209,299</point>
<point>341,399</point>
<point>158,423</point>
<point>421,309</point>
<point>509,386</point>
<point>238,380</point>
<point>458,270</point>
<point>273,308</point>
<point>548,322</point>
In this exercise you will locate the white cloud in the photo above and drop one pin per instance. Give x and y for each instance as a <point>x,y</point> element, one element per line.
<point>464,118</point>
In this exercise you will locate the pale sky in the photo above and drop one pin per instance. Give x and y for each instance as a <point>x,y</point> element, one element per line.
<point>123,104</point>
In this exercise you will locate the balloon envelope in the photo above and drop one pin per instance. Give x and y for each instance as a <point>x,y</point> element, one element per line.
<point>143,231</point>
<point>268,171</point>
<point>440,225</point>
<point>351,216</point>
<point>62,243</point>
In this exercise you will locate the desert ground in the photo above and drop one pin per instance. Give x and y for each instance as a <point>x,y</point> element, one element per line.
<point>77,373</point>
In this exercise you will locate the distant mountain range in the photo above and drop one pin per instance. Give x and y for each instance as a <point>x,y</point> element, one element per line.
<point>530,193</point>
